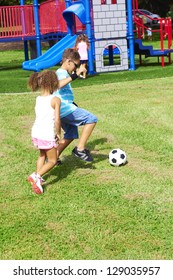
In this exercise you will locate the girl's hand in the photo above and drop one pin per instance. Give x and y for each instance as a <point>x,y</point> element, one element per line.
<point>57,137</point>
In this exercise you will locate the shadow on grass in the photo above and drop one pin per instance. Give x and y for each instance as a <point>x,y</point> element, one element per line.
<point>147,63</point>
<point>6,68</point>
<point>71,163</point>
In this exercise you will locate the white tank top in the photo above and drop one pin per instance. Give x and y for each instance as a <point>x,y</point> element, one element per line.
<point>44,125</point>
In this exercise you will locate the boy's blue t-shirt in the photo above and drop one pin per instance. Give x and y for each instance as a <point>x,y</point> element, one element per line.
<point>66,107</point>
<point>66,92</point>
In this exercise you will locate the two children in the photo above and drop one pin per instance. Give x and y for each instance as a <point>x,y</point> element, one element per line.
<point>54,109</point>
<point>77,117</point>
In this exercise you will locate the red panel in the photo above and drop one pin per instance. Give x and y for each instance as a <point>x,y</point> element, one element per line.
<point>16,21</point>
<point>51,19</point>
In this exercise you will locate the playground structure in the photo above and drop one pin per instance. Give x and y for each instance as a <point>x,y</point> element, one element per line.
<point>109,25</point>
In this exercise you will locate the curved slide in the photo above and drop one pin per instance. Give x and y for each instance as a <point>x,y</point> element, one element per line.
<point>51,57</point>
<point>54,54</point>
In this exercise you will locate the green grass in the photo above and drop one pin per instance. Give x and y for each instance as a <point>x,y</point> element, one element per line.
<point>13,78</point>
<point>92,211</point>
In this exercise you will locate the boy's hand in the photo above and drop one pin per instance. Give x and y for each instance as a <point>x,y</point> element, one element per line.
<point>81,69</point>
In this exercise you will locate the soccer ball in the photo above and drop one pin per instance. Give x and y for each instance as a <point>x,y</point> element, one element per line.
<point>117,157</point>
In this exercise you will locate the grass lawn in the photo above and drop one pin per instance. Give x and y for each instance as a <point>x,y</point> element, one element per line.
<point>91,211</point>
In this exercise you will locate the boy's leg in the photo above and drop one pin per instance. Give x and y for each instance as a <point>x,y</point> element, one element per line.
<point>62,145</point>
<point>80,151</point>
<point>86,132</point>
<point>70,133</point>
<point>70,124</point>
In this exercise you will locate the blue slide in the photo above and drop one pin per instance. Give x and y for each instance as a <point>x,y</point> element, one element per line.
<point>51,57</point>
<point>148,50</point>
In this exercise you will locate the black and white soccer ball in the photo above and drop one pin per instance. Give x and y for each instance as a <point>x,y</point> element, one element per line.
<point>117,157</point>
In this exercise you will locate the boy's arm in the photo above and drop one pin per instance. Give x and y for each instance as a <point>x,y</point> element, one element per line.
<point>56,104</point>
<point>68,80</point>
<point>64,82</point>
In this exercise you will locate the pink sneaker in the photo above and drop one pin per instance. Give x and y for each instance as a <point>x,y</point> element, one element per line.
<point>36,183</point>
<point>32,178</point>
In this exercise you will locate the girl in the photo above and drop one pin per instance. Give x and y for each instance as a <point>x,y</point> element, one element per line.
<point>82,46</point>
<point>47,126</point>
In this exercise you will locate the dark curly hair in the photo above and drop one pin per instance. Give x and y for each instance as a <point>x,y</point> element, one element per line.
<point>46,80</point>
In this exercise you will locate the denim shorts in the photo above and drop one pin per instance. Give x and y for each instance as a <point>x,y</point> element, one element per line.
<point>77,118</point>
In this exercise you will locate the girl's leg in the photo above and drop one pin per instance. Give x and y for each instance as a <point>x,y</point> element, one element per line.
<point>52,159</point>
<point>41,160</point>
<point>35,179</point>
<point>84,73</point>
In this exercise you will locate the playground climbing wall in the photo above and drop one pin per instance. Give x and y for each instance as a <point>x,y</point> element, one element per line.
<point>110,30</point>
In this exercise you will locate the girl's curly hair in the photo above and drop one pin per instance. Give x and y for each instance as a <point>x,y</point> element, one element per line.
<point>82,38</point>
<point>46,80</point>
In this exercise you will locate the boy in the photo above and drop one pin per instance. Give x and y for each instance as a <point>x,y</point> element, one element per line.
<point>74,117</point>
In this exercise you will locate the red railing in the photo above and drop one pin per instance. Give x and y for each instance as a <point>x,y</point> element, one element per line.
<point>16,21</point>
<point>135,4</point>
<point>164,30</point>
<point>168,31</point>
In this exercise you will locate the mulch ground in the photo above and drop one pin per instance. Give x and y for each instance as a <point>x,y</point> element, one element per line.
<point>11,46</point>
<point>15,45</point>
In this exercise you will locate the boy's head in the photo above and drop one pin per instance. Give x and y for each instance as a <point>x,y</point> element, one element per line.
<point>70,60</point>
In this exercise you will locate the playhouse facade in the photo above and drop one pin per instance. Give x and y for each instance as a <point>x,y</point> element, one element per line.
<point>110,29</point>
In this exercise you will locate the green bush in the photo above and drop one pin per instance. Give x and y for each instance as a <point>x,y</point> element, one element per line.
<point>170,14</point>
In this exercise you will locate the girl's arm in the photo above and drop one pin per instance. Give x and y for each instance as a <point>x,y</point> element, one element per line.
<point>56,104</point>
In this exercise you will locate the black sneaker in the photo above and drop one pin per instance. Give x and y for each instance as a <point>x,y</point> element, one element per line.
<point>84,155</point>
<point>59,162</point>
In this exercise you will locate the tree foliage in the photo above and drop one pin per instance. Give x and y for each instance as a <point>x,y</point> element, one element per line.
<point>160,7</point>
